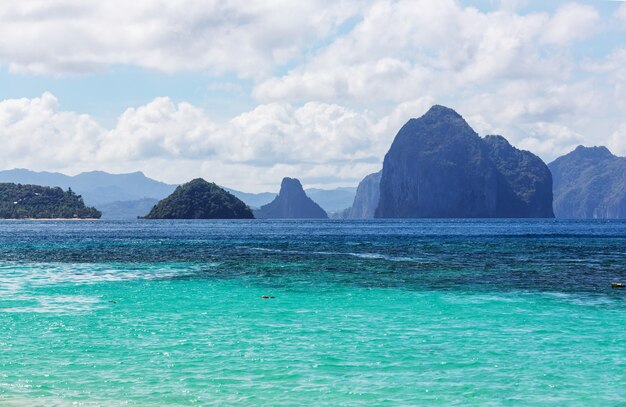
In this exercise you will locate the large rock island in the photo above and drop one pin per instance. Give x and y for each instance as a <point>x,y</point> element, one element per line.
<point>199,199</point>
<point>589,182</point>
<point>291,203</point>
<point>438,167</point>
<point>37,202</point>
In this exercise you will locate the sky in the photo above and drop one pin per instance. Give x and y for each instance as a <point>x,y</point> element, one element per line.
<point>244,92</point>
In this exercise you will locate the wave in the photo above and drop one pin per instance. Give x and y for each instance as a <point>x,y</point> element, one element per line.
<point>365,256</point>
<point>21,284</point>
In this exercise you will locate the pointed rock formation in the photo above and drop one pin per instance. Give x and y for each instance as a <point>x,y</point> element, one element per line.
<point>367,197</point>
<point>199,199</point>
<point>291,203</point>
<point>438,167</point>
<point>589,182</point>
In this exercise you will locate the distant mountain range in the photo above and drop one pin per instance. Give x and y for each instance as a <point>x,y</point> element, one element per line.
<point>251,199</point>
<point>127,209</point>
<point>126,196</point>
<point>96,187</point>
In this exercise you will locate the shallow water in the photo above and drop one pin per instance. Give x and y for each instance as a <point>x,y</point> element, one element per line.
<point>457,312</point>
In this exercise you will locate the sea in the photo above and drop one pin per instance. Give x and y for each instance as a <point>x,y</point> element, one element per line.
<point>325,313</point>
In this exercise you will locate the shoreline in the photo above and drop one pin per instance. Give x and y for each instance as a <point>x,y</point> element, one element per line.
<point>47,219</point>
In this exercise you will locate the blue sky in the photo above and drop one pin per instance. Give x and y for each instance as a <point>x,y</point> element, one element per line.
<point>244,93</point>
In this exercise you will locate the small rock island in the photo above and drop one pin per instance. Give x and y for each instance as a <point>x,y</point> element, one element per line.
<point>19,201</point>
<point>199,199</point>
<point>291,203</point>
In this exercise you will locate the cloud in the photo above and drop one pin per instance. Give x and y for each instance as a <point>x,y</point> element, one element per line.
<point>174,141</point>
<point>161,129</point>
<point>571,22</point>
<point>617,141</point>
<point>33,132</point>
<point>315,133</point>
<point>248,37</point>
<point>357,72</point>
<point>404,48</point>
<point>611,70</point>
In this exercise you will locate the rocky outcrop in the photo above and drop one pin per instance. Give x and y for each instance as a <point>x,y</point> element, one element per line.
<point>367,197</point>
<point>589,182</point>
<point>291,203</point>
<point>199,199</point>
<point>524,181</point>
<point>438,167</point>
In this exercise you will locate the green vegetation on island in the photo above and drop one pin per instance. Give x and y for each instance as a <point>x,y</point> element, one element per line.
<point>37,202</point>
<point>199,199</point>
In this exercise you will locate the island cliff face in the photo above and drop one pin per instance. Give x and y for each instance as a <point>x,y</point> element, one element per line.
<point>291,203</point>
<point>367,197</point>
<point>438,167</point>
<point>199,199</point>
<point>589,182</point>
<point>524,181</point>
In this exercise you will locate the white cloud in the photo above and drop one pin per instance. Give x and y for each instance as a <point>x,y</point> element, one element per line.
<point>314,133</point>
<point>161,129</point>
<point>247,37</point>
<point>34,134</point>
<point>177,141</point>
<point>617,142</point>
<point>544,117</point>
<point>548,139</point>
<point>611,69</point>
<point>571,22</point>
<point>332,116</point>
<point>410,48</point>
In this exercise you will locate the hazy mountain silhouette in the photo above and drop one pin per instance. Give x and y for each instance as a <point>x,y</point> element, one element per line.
<point>366,198</point>
<point>96,187</point>
<point>589,182</point>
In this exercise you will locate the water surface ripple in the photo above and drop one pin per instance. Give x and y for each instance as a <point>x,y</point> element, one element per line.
<point>395,312</point>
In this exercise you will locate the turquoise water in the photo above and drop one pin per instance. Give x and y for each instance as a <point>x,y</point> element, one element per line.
<point>452,312</point>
